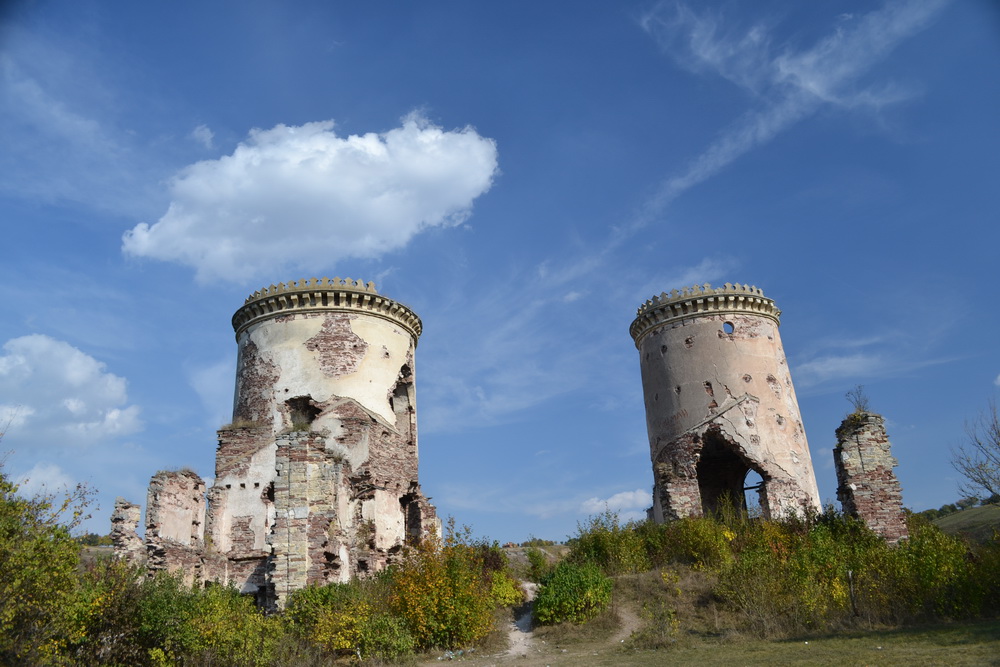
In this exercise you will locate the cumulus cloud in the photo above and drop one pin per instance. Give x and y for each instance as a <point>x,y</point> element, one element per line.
<point>619,502</point>
<point>44,478</point>
<point>305,197</point>
<point>51,393</point>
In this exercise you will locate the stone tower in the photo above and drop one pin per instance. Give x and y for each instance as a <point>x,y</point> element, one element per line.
<point>867,488</point>
<point>316,477</point>
<point>720,403</point>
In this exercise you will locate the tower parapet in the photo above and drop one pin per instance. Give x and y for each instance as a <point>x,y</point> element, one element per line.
<point>317,295</point>
<point>698,301</point>
<point>720,403</point>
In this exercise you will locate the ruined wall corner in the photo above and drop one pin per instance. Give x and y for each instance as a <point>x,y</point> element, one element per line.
<point>867,487</point>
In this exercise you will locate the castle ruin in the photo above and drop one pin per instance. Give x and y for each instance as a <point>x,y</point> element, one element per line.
<point>720,404</point>
<point>316,477</point>
<point>867,487</point>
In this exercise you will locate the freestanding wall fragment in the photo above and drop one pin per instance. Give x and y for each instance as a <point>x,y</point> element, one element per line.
<point>720,403</point>
<point>867,487</point>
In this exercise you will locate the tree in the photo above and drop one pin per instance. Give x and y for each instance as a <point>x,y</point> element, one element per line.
<point>977,458</point>
<point>38,570</point>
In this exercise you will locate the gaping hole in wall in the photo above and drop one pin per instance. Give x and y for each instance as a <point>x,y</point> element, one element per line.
<point>302,412</point>
<point>411,517</point>
<point>721,475</point>
<point>402,399</point>
<point>754,493</point>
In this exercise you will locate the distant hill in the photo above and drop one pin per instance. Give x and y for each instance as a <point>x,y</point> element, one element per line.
<point>977,523</point>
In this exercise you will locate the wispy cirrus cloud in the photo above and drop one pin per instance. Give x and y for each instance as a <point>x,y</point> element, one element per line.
<point>786,85</point>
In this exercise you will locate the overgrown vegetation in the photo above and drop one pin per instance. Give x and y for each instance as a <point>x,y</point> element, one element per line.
<point>807,575</point>
<point>810,575</point>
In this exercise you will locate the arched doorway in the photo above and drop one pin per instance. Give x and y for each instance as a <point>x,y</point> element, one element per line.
<point>725,477</point>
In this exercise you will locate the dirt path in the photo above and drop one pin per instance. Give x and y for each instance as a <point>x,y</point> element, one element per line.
<point>520,635</point>
<point>630,623</point>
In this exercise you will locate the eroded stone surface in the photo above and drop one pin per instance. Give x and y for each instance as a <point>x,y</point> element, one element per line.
<point>867,487</point>
<point>124,539</point>
<point>316,479</point>
<point>720,404</point>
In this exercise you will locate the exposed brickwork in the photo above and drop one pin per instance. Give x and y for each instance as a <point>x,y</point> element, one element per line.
<point>340,350</point>
<point>236,446</point>
<point>124,521</point>
<point>316,480</point>
<point>175,518</point>
<point>255,380</point>
<point>720,404</point>
<point>866,484</point>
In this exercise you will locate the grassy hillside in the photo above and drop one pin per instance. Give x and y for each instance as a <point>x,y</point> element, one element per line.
<point>977,523</point>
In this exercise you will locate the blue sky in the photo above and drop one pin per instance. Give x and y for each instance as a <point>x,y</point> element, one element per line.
<point>523,175</point>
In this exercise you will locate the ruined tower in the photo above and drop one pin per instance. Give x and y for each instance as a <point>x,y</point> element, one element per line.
<point>867,487</point>
<point>316,477</point>
<point>720,403</point>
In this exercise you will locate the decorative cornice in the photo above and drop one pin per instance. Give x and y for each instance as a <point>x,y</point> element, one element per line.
<point>318,295</point>
<point>700,301</point>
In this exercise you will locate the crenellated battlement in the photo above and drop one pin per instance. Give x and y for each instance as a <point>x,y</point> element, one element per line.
<point>699,301</point>
<point>315,295</point>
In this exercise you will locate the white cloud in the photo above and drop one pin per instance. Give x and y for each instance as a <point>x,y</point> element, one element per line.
<point>619,502</point>
<point>54,394</point>
<point>789,85</point>
<point>203,135</point>
<point>44,478</point>
<point>997,381</point>
<point>305,197</point>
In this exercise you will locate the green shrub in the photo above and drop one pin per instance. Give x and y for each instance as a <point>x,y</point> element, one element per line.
<point>572,592</point>
<point>38,572</point>
<point>700,542</point>
<point>441,591</point>
<point>538,564</point>
<point>615,548</point>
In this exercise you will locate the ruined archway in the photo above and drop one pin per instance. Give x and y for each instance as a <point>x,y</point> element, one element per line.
<point>723,473</point>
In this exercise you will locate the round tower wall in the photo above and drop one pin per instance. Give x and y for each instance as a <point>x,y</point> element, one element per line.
<point>716,384</point>
<point>322,356</point>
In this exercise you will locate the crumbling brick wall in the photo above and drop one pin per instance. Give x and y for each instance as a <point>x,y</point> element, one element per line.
<point>175,519</point>
<point>316,479</point>
<point>125,540</point>
<point>867,487</point>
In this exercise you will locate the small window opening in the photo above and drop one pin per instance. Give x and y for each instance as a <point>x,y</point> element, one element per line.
<point>728,327</point>
<point>302,412</point>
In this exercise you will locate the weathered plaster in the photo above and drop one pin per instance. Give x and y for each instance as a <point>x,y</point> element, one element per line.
<point>316,479</point>
<point>716,387</point>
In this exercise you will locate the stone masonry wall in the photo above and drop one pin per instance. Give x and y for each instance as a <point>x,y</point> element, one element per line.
<point>125,540</point>
<point>175,518</point>
<point>866,484</point>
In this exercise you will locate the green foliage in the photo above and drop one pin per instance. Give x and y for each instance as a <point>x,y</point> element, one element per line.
<point>605,542</point>
<point>38,562</point>
<point>94,540</point>
<point>536,542</point>
<point>442,591</point>
<point>572,592</point>
<point>504,590</point>
<point>538,564</point>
